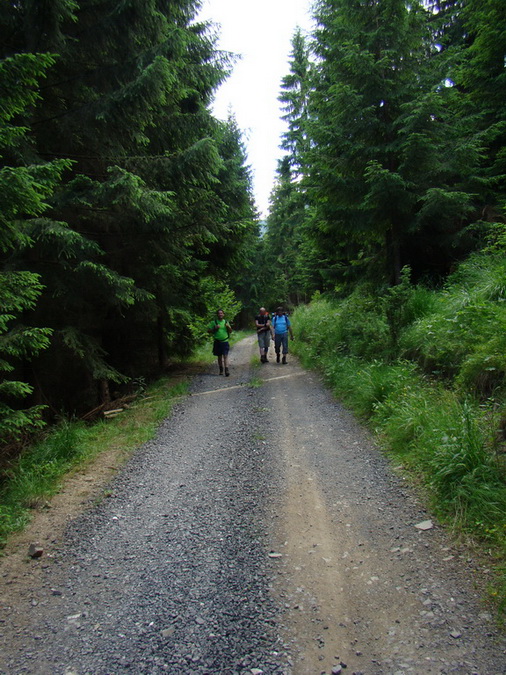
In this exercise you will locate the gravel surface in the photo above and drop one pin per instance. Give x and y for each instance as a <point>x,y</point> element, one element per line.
<point>260,532</point>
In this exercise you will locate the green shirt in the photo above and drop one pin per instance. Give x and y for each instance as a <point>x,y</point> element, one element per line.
<point>222,333</point>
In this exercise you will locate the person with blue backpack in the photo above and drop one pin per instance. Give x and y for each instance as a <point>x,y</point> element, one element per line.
<point>282,327</point>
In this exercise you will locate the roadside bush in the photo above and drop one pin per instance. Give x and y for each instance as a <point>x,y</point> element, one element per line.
<point>440,343</point>
<point>422,302</point>
<point>213,296</point>
<point>318,327</point>
<point>483,275</point>
<point>462,471</point>
<point>449,443</point>
<point>355,326</point>
<point>362,385</point>
<point>403,415</point>
<point>363,327</point>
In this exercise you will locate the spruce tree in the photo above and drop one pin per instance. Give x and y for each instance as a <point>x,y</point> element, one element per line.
<point>288,251</point>
<point>386,160</point>
<point>294,98</point>
<point>24,191</point>
<point>131,234</point>
<point>287,246</point>
<point>481,78</point>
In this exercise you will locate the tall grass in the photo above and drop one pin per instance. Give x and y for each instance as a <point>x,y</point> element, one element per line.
<point>464,337</point>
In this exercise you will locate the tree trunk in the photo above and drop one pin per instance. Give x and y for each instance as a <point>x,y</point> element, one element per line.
<point>161,343</point>
<point>393,255</point>
<point>105,394</point>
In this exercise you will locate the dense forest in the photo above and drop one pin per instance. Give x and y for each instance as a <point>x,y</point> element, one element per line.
<point>395,144</point>
<point>126,208</point>
<point>127,213</point>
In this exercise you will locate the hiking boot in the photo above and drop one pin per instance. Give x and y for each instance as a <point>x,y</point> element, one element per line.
<point>284,360</point>
<point>277,358</point>
<point>263,359</point>
<point>227,373</point>
<point>221,371</point>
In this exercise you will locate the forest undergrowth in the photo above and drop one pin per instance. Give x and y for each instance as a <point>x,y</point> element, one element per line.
<point>426,369</point>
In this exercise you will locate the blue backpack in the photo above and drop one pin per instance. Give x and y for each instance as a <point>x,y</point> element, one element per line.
<point>276,316</point>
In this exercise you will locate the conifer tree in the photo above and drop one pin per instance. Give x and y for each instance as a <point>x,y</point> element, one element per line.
<point>294,98</point>
<point>288,251</point>
<point>24,189</point>
<point>236,216</point>
<point>386,161</point>
<point>287,247</point>
<point>481,78</point>
<point>131,234</point>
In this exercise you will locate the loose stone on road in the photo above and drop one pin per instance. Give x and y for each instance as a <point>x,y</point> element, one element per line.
<point>261,531</point>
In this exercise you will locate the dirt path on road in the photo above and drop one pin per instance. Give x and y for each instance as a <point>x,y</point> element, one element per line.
<point>265,510</point>
<point>363,587</point>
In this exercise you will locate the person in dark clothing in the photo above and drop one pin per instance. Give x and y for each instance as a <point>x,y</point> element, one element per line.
<point>263,326</point>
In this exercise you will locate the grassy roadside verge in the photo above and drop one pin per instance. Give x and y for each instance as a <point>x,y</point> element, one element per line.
<point>444,441</point>
<point>36,475</point>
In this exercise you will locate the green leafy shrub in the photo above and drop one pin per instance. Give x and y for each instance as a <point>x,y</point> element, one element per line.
<point>421,302</point>
<point>440,343</point>
<point>363,326</point>
<point>214,295</point>
<point>365,385</point>
<point>355,326</point>
<point>463,472</point>
<point>317,326</point>
<point>482,276</point>
<point>403,415</point>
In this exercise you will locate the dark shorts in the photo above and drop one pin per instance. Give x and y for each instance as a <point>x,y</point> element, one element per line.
<point>221,348</point>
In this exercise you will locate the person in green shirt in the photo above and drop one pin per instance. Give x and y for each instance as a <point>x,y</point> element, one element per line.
<point>220,329</point>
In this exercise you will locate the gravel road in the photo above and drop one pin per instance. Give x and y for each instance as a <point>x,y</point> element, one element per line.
<point>261,531</point>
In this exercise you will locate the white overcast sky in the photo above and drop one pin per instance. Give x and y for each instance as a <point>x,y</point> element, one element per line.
<point>260,31</point>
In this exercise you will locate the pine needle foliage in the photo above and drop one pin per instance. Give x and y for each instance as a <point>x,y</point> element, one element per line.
<point>25,189</point>
<point>153,196</point>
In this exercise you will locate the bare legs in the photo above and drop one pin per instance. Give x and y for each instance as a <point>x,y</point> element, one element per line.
<point>223,362</point>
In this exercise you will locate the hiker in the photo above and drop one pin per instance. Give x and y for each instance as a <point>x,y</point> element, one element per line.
<point>282,326</point>
<point>220,329</point>
<point>263,325</point>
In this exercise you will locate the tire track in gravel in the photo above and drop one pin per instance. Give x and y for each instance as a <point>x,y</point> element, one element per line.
<point>169,574</point>
<point>361,585</point>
